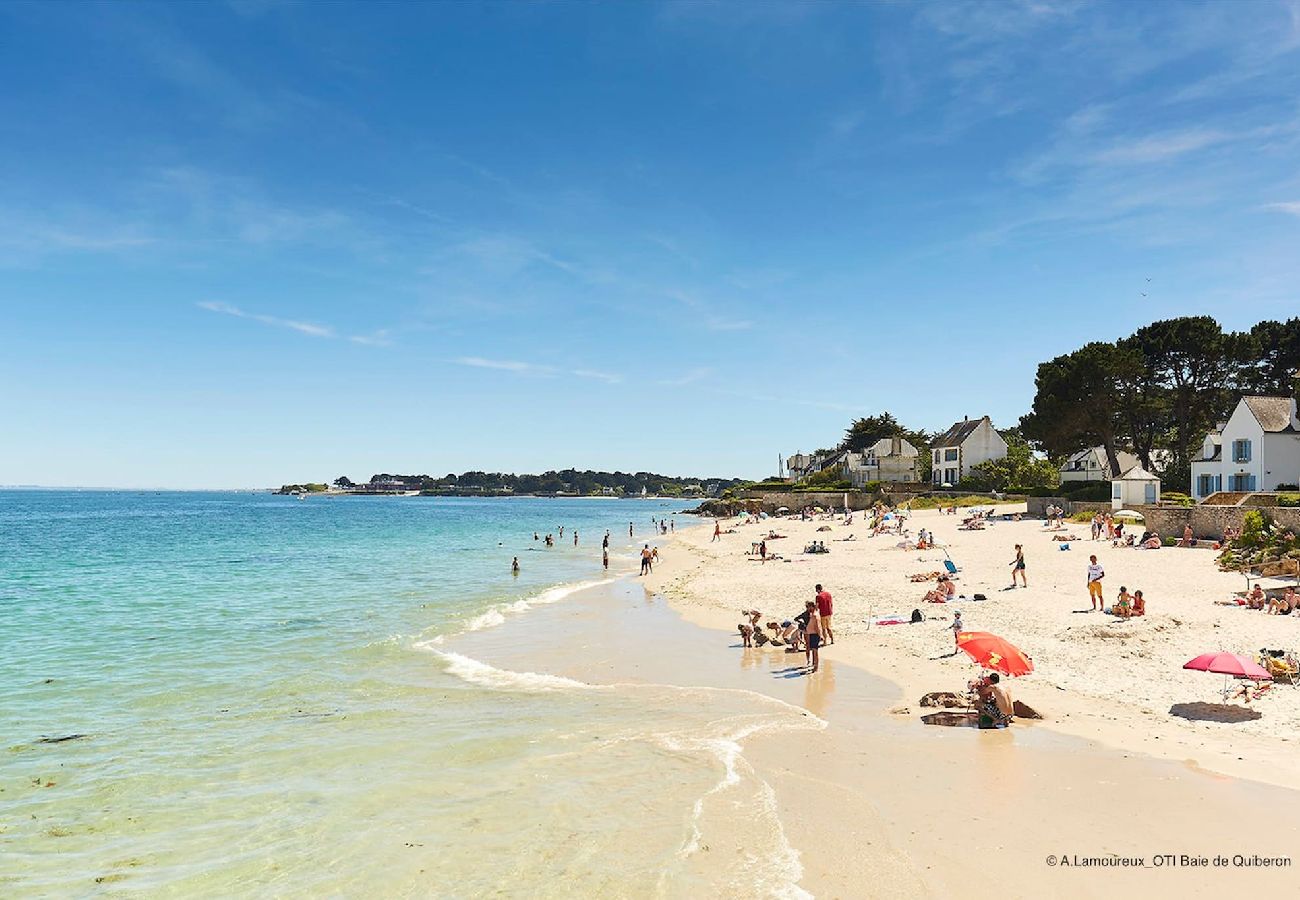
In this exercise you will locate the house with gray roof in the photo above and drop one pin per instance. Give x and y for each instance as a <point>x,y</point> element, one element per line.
<point>1257,449</point>
<point>962,447</point>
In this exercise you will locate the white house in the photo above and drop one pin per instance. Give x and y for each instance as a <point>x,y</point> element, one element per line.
<point>1257,449</point>
<point>962,447</point>
<point>888,459</point>
<point>1092,465</point>
<point>1134,488</point>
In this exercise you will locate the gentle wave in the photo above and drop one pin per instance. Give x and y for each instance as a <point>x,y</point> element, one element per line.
<point>496,615</point>
<point>775,871</point>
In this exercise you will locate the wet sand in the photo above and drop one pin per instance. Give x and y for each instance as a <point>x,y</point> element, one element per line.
<point>881,805</point>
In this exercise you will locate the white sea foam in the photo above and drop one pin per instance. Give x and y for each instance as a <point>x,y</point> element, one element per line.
<point>484,675</point>
<point>497,614</point>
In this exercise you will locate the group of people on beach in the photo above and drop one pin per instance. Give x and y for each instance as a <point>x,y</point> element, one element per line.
<point>1284,604</point>
<point>809,630</point>
<point>1126,605</point>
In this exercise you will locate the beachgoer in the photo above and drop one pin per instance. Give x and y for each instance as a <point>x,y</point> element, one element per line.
<point>1096,527</point>
<point>514,566</point>
<point>575,539</point>
<point>1188,539</point>
<point>629,529</point>
<point>762,550</point>
<point>813,630</point>
<point>1123,604</point>
<point>561,527</point>
<point>604,544</point>
<point>654,556</point>
<point>1255,599</point>
<point>672,525</point>
<point>996,708</point>
<point>957,627</point>
<point>717,531</point>
<point>604,558</point>
<point>825,608</point>
<point>534,535</point>
<point>1095,574</point>
<point>1139,604</point>
<point>1018,567</point>
<point>645,559</point>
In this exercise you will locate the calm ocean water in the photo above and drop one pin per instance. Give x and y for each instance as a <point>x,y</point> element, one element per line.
<point>270,702</point>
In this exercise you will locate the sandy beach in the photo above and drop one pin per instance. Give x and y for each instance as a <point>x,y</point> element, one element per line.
<point>1133,759</point>
<point>1118,682</point>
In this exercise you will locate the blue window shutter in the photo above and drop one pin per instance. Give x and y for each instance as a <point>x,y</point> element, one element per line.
<point>1250,483</point>
<point>1218,482</point>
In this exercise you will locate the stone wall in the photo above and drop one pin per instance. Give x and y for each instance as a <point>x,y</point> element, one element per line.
<point>1209,521</point>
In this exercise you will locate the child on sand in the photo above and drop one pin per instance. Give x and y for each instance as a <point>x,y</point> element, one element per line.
<point>1018,567</point>
<point>957,628</point>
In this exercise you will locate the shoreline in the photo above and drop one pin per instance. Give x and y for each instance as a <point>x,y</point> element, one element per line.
<point>878,799</point>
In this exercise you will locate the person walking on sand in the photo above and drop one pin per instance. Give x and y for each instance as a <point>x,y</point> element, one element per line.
<point>645,559</point>
<point>1018,567</point>
<point>825,607</point>
<point>1095,574</point>
<point>813,632</point>
<point>957,627</point>
<point>717,531</point>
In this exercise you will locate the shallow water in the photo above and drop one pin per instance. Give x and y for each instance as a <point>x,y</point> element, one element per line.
<point>262,709</point>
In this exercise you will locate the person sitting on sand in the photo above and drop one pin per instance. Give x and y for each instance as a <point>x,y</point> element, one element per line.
<point>1187,539</point>
<point>995,706</point>
<point>942,592</point>
<point>1284,604</point>
<point>1255,599</point>
<point>1139,604</point>
<point>1152,543</point>
<point>1123,607</point>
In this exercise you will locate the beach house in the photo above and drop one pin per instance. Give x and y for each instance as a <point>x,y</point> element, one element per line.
<point>1091,465</point>
<point>888,459</point>
<point>1257,449</point>
<point>962,447</point>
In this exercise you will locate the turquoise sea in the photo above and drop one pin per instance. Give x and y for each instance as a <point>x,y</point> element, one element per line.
<point>239,694</point>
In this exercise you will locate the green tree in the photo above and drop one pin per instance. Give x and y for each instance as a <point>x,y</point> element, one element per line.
<point>1018,469</point>
<point>1076,402</point>
<point>1273,359</point>
<point>1195,367</point>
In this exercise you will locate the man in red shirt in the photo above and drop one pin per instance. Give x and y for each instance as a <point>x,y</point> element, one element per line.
<point>824,611</point>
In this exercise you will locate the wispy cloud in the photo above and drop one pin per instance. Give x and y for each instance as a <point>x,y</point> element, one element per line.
<point>1159,147</point>
<point>689,377</point>
<point>519,367</point>
<point>378,338</point>
<point>309,328</point>
<point>1290,207</point>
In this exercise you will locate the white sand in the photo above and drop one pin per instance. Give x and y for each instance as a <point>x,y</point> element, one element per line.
<point>1096,676</point>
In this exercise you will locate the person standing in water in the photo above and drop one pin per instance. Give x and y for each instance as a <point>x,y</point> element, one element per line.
<point>813,631</point>
<point>629,529</point>
<point>645,560</point>
<point>604,554</point>
<point>575,538</point>
<point>672,526</point>
<point>604,544</point>
<point>514,566</point>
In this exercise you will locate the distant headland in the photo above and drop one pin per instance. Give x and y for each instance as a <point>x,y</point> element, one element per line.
<point>565,483</point>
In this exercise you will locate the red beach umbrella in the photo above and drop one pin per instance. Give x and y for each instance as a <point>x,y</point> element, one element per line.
<point>993,652</point>
<point>1229,665</point>
<point>1224,663</point>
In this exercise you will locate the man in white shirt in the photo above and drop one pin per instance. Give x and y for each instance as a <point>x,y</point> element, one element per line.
<point>1095,574</point>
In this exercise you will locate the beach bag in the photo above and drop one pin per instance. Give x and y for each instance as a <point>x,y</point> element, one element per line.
<point>916,616</point>
<point>979,597</point>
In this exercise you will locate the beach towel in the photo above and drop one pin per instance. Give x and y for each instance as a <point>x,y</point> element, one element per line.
<point>892,619</point>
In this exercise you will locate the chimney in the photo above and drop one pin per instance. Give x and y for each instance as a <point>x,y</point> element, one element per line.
<point>965,418</point>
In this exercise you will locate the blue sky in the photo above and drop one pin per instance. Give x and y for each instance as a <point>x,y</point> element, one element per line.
<point>251,242</point>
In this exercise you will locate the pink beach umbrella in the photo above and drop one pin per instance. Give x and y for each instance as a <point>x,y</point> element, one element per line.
<point>1230,665</point>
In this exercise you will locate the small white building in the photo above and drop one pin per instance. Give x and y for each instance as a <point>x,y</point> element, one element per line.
<point>962,447</point>
<point>888,459</point>
<point>1135,487</point>
<point>1257,449</point>
<point>1092,465</point>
